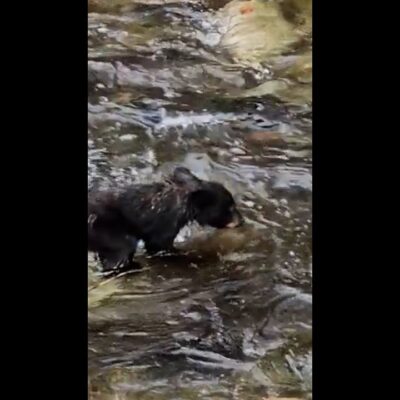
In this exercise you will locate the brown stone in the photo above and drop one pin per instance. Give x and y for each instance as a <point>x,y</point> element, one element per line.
<point>268,138</point>
<point>246,9</point>
<point>281,398</point>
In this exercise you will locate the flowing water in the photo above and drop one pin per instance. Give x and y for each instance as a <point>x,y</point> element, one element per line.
<point>223,88</point>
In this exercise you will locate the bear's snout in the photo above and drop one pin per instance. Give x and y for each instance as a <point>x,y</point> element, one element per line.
<point>237,221</point>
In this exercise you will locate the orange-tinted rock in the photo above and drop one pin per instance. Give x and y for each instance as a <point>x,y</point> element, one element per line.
<point>281,398</point>
<point>246,9</point>
<point>268,138</point>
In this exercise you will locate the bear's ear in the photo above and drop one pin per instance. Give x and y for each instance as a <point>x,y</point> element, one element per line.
<point>183,177</point>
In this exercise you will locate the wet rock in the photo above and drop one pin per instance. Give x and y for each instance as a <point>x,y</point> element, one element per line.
<point>139,77</point>
<point>255,30</point>
<point>293,313</point>
<point>233,78</point>
<point>268,138</point>
<point>216,4</point>
<point>299,12</point>
<point>237,151</point>
<point>124,97</point>
<point>297,308</point>
<point>101,72</point>
<point>223,242</point>
<point>271,87</point>
<point>281,398</point>
<point>286,91</point>
<point>295,67</point>
<point>128,137</point>
<point>113,5</point>
<point>131,77</point>
<point>291,181</point>
<point>249,203</point>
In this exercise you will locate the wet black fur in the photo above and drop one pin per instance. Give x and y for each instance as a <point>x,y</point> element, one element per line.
<point>154,213</point>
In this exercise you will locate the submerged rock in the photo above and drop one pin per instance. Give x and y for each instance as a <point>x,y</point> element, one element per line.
<point>255,30</point>
<point>101,72</point>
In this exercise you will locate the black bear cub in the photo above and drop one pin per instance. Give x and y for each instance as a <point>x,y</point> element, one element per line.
<point>154,213</point>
